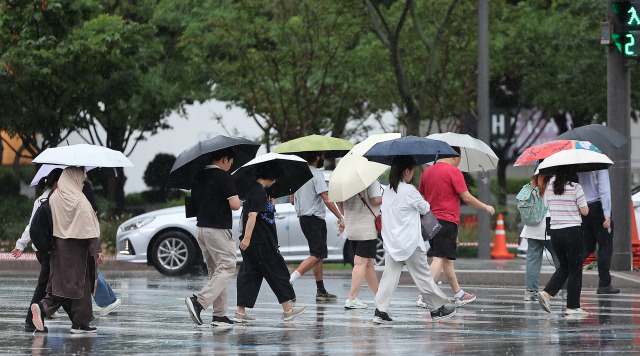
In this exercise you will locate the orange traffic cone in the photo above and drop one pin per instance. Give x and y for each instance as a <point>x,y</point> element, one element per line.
<point>635,241</point>
<point>500,242</point>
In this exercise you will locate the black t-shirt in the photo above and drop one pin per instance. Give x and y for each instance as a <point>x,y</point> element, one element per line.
<point>211,192</point>
<point>257,201</point>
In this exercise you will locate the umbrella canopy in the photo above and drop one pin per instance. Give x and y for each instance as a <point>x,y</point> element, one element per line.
<point>422,149</point>
<point>534,154</point>
<point>475,155</point>
<point>45,169</point>
<point>355,173</point>
<point>194,159</point>
<point>294,173</point>
<point>581,160</point>
<point>333,147</point>
<point>603,137</point>
<point>83,155</point>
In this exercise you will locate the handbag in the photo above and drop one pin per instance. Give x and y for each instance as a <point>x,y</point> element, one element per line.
<point>377,219</point>
<point>430,226</point>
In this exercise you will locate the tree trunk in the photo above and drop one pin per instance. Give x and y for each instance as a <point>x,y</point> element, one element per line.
<point>115,185</point>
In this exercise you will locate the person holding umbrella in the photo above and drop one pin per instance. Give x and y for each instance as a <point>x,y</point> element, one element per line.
<point>443,186</point>
<point>75,254</point>
<point>566,203</point>
<point>310,202</point>
<point>214,195</point>
<point>261,258</point>
<point>401,208</point>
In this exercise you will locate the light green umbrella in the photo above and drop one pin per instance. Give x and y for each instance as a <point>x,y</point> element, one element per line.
<point>335,147</point>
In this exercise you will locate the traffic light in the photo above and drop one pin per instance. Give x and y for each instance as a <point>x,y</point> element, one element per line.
<point>627,33</point>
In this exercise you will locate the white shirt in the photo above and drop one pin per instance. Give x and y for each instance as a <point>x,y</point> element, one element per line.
<point>22,243</point>
<point>401,231</point>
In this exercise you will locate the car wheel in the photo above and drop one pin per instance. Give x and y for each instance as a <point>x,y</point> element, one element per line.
<point>173,253</point>
<point>379,260</point>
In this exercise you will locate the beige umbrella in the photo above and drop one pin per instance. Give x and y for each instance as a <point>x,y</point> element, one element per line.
<point>355,173</point>
<point>475,155</point>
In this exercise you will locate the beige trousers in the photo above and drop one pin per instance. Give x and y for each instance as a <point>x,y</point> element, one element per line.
<point>219,250</point>
<point>419,270</point>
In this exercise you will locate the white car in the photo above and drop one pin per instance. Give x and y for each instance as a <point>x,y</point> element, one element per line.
<point>166,239</point>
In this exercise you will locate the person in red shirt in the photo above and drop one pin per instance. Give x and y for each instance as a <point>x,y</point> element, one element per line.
<point>443,185</point>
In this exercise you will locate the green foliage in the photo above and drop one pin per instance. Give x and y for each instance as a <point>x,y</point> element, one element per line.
<point>108,231</point>
<point>555,53</point>
<point>134,199</point>
<point>9,183</point>
<point>173,202</point>
<point>15,211</point>
<point>295,67</point>
<point>157,172</point>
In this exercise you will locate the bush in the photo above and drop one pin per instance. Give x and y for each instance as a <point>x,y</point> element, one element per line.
<point>15,212</point>
<point>108,231</point>
<point>9,183</point>
<point>134,199</point>
<point>157,172</point>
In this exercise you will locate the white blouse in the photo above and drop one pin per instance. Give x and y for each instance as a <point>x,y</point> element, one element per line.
<point>401,231</point>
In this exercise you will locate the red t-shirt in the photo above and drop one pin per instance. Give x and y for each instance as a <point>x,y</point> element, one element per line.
<point>441,185</point>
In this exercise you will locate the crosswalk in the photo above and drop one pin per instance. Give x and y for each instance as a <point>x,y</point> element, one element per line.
<point>153,320</point>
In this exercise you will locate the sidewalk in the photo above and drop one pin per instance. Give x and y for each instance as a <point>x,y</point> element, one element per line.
<point>469,271</point>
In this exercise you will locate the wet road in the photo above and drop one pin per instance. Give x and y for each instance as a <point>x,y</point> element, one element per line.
<point>153,320</point>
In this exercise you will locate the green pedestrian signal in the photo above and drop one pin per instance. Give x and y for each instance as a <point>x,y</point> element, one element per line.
<point>626,35</point>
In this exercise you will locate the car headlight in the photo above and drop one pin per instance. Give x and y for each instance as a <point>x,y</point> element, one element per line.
<point>136,224</point>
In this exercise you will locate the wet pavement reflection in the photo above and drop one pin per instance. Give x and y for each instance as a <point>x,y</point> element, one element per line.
<point>153,320</point>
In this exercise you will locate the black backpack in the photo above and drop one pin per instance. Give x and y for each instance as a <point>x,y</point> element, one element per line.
<point>41,230</point>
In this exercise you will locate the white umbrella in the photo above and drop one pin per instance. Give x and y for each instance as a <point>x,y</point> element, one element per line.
<point>475,155</point>
<point>581,160</point>
<point>354,172</point>
<point>83,155</point>
<point>45,169</point>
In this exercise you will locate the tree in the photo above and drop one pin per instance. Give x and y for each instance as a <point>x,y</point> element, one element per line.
<point>157,172</point>
<point>292,66</point>
<point>38,93</point>
<point>431,48</point>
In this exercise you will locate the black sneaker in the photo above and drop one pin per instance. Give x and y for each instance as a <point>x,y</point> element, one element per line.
<point>221,321</point>
<point>442,313</point>
<point>194,309</point>
<point>75,329</point>
<point>608,290</point>
<point>325,296</point>
<point>381,317</point>
<point>29,328</point>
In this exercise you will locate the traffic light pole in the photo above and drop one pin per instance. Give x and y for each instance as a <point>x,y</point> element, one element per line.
<point>619,119</point>
<point>484,181</point>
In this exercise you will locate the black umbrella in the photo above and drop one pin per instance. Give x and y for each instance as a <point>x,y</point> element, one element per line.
<point>422,149</point>
<point>603,137</point>
<point>294,173</point>
<point>195,158</point>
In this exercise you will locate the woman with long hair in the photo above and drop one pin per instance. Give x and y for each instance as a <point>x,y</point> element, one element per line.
<point>537,241</point>
<point>566,203</point>
<point>401,208</point>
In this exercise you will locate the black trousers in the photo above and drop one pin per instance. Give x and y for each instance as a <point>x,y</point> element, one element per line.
<point>41,288</point>
<point>594,233</point>
<point>567,244</point>
<point>262,261</point>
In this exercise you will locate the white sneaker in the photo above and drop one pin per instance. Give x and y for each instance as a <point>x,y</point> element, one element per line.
<point>355,304</point>
<point>465,299</point>
<point>109,308</point>
<point>420,302</point>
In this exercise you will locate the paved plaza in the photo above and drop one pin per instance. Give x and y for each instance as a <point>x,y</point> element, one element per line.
<point>153,320</point>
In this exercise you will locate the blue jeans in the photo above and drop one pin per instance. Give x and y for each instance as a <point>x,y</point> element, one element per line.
<point>534,261</point>
<point>104,294</point>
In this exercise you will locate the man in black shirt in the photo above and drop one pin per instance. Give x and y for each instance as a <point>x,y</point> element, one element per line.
<point>214,196</point>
